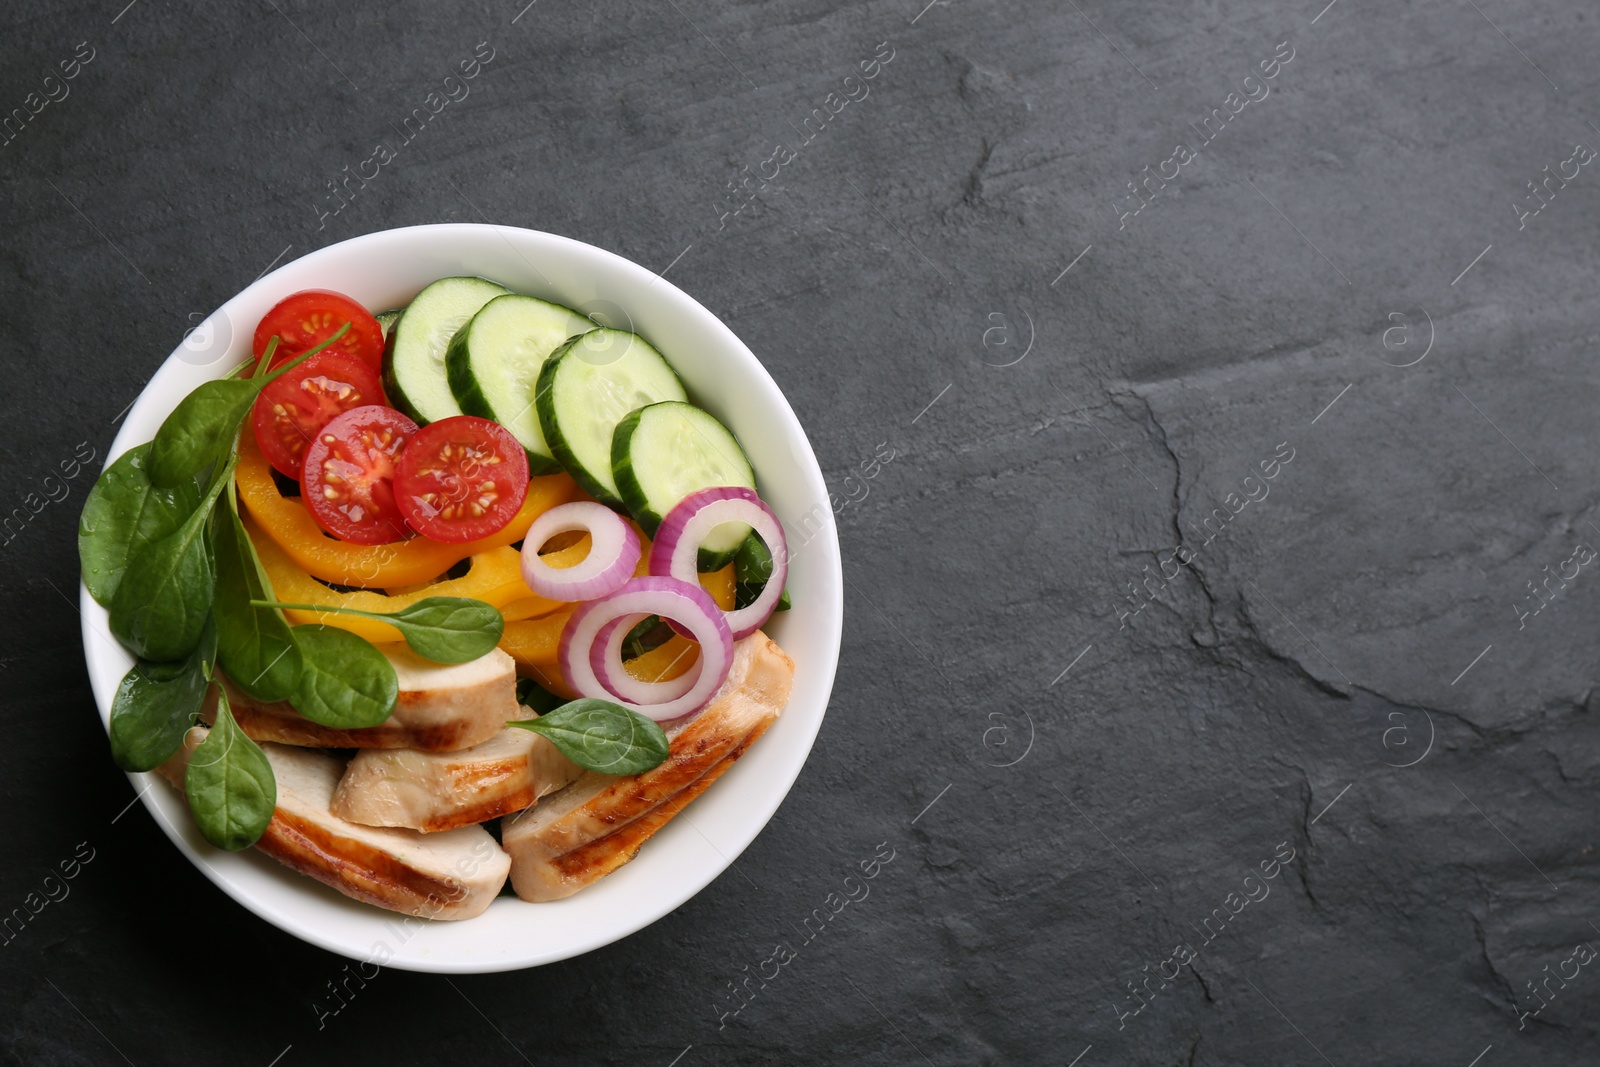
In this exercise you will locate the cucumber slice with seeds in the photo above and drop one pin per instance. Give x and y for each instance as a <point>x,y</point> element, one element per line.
<point>414,374</point>
<point>587,386</point>
<point>493,365</point>
<point>662,453</point>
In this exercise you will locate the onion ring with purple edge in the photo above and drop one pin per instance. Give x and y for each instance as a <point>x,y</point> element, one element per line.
<point>627,686</point>
<point>613,553</point>
<point>584,659</point>
<point>676,547</point>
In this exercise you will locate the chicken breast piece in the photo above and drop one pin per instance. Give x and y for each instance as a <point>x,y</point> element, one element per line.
<point>629,809</point>
<point>451,875</point>
<point>442,708</point>
<point>561,876</point>
<point>433,791</point>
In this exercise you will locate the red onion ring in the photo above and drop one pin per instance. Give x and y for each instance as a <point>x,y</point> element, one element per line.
<point>613,553</point>
<point>585,660</point>
<point>675,551</point>
<point>608,644</point>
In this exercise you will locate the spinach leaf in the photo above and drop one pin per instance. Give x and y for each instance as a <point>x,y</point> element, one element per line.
<point>230,785</point>
<point>650,633</point>
<point>536,697</point>
<point>124,513</point>
<point>201,429</point>
<point>164,598</point>
<point>751,569</point>
<point>449,629</point>
<point>254,644</point>
<point>158,671</point>
<point>345,682</point>
<point>445,629</point>
<point>156,704</point>
<point>601,736</point>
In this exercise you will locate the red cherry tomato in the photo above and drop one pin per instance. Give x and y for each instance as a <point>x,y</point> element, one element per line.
<point>291,410</point>
<point>460,479</point>
<point>348,477</point>
<point>304,320</point>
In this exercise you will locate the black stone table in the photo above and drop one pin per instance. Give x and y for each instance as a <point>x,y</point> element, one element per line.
<point>1220,664</point>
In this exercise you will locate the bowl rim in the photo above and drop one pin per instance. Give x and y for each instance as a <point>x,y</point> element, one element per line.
<point>826,613</point>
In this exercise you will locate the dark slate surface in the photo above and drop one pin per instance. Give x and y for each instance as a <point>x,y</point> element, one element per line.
<point>1340,285</point>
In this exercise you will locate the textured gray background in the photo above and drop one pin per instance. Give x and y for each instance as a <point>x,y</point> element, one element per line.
<point>1086,821</point>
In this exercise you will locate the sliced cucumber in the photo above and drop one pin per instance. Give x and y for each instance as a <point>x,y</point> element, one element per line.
<point>414,374</point>
<point>386,320</point>
<point>662,453</point>
<point>493,365</point>
<point>587,386</point>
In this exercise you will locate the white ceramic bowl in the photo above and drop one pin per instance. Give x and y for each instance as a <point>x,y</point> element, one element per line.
<point>383,270</point>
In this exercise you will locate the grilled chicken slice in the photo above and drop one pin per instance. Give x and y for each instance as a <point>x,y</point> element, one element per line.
<point>434,791</point>
<point>555,877</point>
<point>442,708</point>
<point>598,822</point>
<point>451,875</point>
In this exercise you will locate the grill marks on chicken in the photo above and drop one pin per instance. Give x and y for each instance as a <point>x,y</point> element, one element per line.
<point>561,876</point>
<point>600,821</point>
<point>451,875</point>
<point>397,826</point>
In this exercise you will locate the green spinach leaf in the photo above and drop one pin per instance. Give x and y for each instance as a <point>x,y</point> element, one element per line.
<point>601,736</point>
<point>536,697</point>
<point>650,633</point>
<point>445,629</point>
<point>230,785</point>
<point>124,513</point>
<point>255,645</point>
<point>202,428</point>
<point>345,682</point>
<point>164,597</point>
<point>156,704</point>
<point>752,567</point>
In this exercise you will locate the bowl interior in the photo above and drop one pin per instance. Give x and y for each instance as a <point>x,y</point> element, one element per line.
<point>385,270</point>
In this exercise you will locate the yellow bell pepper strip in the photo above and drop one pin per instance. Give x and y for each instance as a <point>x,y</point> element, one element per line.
<point>532,607</point>
<point>494,577</point>
<point>664,662</point>
<point>550,678</point>
<point>535,643</point>
<point>287,522</point>
<point>722,585</point>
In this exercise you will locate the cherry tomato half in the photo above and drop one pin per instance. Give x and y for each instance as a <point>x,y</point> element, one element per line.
<point>460,479</point>
<point>304,320</point>
<point>291,410</point>
<point>348,477</point>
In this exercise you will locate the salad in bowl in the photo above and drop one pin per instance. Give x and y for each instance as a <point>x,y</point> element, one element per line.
<point>448,604</point>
